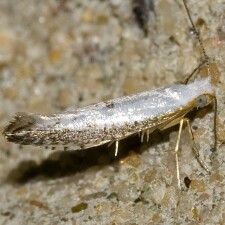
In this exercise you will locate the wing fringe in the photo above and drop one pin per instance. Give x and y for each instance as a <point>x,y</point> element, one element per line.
<point>20,122</point>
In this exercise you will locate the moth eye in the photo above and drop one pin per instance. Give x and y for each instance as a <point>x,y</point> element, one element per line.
<point>202,101</point>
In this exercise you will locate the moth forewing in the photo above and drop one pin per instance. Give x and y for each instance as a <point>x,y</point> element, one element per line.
<point>98,124</point>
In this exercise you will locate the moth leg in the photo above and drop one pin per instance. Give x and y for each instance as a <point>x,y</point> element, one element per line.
<point>148,132</point>
<point>196,151</point>
<point>142,136</point>
<point>116,147</point>
<point>176,151</point>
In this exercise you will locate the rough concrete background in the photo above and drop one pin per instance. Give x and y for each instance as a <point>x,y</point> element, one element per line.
<point>55,54</point>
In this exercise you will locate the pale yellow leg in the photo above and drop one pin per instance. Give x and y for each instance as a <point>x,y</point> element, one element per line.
<point>116,148</point>
<point>147,132</point>
<point>176,151</point>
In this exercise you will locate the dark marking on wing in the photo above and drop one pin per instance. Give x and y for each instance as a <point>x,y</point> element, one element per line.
<point>109,104</point>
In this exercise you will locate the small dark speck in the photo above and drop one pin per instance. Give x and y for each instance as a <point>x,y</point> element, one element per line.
<point>64,219</point>
<point>80,207</point>
<point>112,195</point>
<point>200,22</point>
<point>187,182</point>
<point>137,200</point>
<point>53,148</point>
<point>213,149</point>
<point>141,10</point>
<point>65,148</point>
<point>6,213</point>
<point>109,105</point>
<point>80,99</point>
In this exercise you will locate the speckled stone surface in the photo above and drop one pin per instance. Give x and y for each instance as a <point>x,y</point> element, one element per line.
<point>56,54</point>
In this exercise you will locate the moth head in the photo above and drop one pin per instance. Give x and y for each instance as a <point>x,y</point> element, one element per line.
<point>204,100</point>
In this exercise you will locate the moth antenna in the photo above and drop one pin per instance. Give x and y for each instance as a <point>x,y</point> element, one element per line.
<point>198,37</point>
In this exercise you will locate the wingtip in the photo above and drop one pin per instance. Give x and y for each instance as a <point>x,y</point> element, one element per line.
<point>21,121</point>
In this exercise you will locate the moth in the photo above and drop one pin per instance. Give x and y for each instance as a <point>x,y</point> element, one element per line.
<point>114,120</point>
